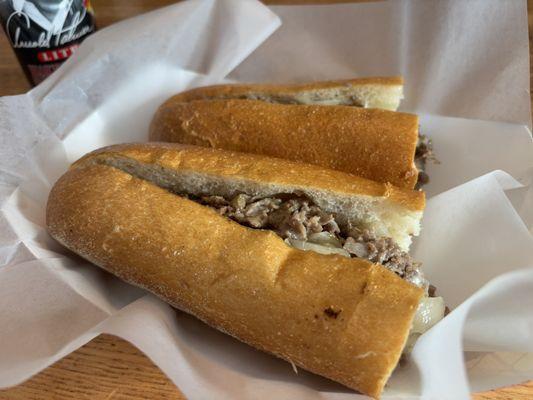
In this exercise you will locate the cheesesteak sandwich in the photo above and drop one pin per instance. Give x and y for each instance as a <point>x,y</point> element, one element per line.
<point>313,123</point>
<point>308,264</point>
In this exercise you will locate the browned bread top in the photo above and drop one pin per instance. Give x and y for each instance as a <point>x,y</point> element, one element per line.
<point>375,144</point>
<point>258,168</point>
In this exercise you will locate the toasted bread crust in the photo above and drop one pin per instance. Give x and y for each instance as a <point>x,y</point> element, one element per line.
<point>375,144</point>
<point>258,168</point>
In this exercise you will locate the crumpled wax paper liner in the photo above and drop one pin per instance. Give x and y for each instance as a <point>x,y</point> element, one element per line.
<point>476,243</point>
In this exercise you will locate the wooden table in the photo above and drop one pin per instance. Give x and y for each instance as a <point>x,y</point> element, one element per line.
<point>108,367</point>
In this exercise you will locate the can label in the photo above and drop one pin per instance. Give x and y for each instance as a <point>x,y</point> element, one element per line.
<point>44,33</point>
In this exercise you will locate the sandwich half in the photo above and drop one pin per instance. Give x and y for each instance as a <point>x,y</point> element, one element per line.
<point>308,264</point>
<point>375,144</point>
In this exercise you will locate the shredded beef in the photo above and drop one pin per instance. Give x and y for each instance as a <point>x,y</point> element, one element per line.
<point>386,252</point>
<point>297,218</point>
<point>253,213</point>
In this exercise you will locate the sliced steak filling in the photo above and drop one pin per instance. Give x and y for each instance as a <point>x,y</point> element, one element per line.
<point>304,225</point>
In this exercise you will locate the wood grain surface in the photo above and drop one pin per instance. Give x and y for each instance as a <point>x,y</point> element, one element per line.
<point>109,367</point>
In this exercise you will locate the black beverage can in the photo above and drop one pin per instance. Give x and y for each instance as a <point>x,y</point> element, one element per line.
<point>45,33</point>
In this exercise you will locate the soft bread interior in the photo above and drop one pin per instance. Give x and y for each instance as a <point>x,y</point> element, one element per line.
<point>367,96</point>
<point>385,93</point>
<point>377,214</point>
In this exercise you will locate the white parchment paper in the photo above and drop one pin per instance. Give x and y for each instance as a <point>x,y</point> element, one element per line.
<point>476,243</point>
<point>463,60</point>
